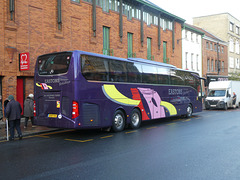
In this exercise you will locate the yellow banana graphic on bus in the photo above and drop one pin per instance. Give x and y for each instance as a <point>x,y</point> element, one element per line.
<point>156,111</point>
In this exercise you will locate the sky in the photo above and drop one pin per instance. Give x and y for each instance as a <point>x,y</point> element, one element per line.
<point>187,9</point>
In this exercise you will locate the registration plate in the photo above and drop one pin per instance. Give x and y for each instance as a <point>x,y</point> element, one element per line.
<point>52,115</point>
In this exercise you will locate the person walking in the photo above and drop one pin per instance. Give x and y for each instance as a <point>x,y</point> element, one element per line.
<point>234,98</point>
<point>28,110</point>
<point>13,113</point>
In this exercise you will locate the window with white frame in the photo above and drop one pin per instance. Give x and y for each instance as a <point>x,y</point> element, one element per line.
<point>231,26</point>
<point>186,34</point>
<point>231,45</point>
<point>192,68</point>
<point>197,63</point>
<point>237,46</point>
<point>191,36</point>
<point>186,61</point>
<point>237,63</point>
<point>231,61</point>
<point>197,38</point>
<point>237,30</point>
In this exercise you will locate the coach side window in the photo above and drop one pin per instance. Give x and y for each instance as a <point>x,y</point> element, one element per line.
<point>149,74</point>
<point>118,71</point>
<point>177,77</point>
<point>134,72</point>
<point>163,75</point>
<point>95,68</point>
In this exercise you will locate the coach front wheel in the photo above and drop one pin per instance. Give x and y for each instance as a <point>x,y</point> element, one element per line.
<point>136,119</point>
<point>119,121</point>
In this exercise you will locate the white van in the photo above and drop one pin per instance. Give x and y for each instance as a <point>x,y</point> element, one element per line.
<point>220,94</point>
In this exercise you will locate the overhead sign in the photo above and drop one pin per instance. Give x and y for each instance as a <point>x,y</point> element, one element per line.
<point>24,61</point>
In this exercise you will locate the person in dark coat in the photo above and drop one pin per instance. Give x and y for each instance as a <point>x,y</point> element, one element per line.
<point>13,113</point>
<point>28,109</point>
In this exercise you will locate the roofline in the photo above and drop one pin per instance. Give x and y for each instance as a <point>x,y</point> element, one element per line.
<point>190,27</point>
<point>152,5</point>
<point>227,13</point>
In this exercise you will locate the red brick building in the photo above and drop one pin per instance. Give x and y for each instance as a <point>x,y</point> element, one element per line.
<point>122,28</point>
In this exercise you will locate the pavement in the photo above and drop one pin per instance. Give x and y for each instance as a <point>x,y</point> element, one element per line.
<point>25,131</point>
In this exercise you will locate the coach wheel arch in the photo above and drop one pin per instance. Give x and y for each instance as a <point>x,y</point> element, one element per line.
<point>136,118</point>
<point>119,120</point>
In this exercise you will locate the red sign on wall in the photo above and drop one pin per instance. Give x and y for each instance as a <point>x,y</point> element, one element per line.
<point>24,61</point>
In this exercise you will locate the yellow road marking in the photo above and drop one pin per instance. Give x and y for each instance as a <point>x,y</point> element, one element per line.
<point>75,140</point>
<point>152,127</point>
<point>186,120</point>
<point>43,136</point>
<point>171,124</point>
<point>130,132</point>
<point>106,136</point>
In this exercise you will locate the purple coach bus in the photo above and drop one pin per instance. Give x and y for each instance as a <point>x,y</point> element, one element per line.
<point>77,89</point>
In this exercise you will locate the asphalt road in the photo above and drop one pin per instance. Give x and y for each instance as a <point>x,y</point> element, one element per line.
<point>207,146</point>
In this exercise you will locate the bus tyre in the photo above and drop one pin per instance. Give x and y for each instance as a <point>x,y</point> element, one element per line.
<point>136,119</point>
<point>118,121</point>
<point>189,111</point>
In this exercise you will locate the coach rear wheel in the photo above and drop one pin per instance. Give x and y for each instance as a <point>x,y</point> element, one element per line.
<point>118,121</point>
<point>189,111</point>
<point>136,119</point>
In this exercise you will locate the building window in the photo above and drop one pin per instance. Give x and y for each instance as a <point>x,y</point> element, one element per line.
<point>105,5</point>
<point>237,47</point>
<point>186,60</point>
<point>77,1</point>
<point>106,41</point>
<point>216,66</point>
<point>231,61</point>
<point>130,45</point>
<point>87,1</point>
<point>211,48</point>
<point>197,38</point>
<point>237,30</point>
<point>197,62</point>
<point>212,65</point>
<point>191,36</point>
<point>222,49</point>
<point>208,65</point>
<point>231,26</point>
<point>186,32</point>
<point>222,66</point>
<point>231,44</point>
<point>237,63</point>
<point>149,49</point>
<point>207,45</point>
<point>215,47</point>
<point>192,62</point>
